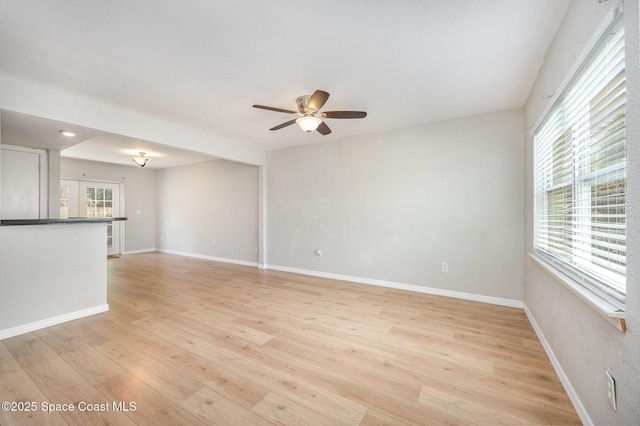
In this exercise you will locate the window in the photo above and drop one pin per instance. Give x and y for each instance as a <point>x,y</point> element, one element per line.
<point>580,173</point>
<point>64,201</point>
<point>99,203</point>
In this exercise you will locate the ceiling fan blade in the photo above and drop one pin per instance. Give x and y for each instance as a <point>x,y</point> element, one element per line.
<point>287,111</point>
<point>280,126</point>
<point>345,114</point>
<point>317,100</point>
<point>323,128</point>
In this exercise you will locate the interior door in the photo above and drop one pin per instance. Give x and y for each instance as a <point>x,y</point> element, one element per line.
<point>22,183</point>
<point>101,199</point>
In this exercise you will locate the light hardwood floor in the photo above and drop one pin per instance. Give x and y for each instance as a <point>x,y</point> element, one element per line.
<point>191,341</point>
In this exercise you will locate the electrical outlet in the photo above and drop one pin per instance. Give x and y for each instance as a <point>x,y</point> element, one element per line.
<point>445,267</point>
<point>611,391</point>
<point>213,243</point>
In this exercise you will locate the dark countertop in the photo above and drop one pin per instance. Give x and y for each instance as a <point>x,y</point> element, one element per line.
<point>15,222</point>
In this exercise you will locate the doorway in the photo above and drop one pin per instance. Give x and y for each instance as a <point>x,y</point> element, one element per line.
<point>79,198</point>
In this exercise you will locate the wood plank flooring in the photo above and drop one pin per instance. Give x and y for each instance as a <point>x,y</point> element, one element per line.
<point>195,342</point>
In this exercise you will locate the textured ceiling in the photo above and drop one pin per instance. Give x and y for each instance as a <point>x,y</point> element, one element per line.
<point>204,63</point>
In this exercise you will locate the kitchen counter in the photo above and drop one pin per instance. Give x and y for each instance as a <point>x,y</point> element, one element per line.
<point>50,273</point>
<point>16,222</point>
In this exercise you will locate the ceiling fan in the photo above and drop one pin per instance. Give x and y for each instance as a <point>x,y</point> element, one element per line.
<point>310,117</point>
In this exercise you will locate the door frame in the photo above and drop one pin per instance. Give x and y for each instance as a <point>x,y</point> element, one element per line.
<point>119,213</point>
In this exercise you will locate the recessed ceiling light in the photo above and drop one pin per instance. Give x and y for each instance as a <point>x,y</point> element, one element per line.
<point>67,133</point>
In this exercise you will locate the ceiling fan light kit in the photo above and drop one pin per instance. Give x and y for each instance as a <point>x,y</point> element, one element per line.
<point>308,124</point>
<point>310,116</point>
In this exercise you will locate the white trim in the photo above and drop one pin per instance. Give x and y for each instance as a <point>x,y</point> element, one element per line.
<point>604,308</point>
<point>113,182</point>
<point>262,216</point>
<point>571,392</point>
<point>118,227</point>
<point>121,224</point>
<point>37,325</point>
<point>598,34</point>
<point>512,303</point>
<point>401,286</point>
<point>213,258</point>
<point>147,250</point>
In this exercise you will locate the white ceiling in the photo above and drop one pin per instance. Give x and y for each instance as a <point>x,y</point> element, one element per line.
<point>204,63</point>
<point>109,148</point>
<point>90,144</point>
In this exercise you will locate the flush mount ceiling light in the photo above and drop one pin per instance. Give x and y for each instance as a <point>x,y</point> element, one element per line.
<point>142,160</point>
<point>67,133</point>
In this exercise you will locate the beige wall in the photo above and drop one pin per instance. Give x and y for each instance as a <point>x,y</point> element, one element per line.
<point>209,209</point>
<point>394,206</point>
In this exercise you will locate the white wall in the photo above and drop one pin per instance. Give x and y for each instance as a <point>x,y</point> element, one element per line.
<point>0,161</point>
<point>393,206</point>
<point>50,274</point>
<point>139,186</point>
<point>583,342</point>
<point>55,104</point>
<point>53,183</point>
<point>214,201</point>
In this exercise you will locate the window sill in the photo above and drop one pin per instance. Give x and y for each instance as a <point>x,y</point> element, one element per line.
<point>600,305</point>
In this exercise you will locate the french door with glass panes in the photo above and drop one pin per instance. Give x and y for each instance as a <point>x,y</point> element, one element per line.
<point>93,199</point>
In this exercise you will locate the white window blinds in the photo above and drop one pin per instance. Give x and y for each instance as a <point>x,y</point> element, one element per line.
<point>580,173</point>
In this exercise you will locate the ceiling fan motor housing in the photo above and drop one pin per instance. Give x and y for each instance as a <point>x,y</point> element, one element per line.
<point>302,103</point>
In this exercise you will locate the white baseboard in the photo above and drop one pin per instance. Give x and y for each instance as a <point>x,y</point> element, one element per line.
<point>400,286</point>
<point>37,325</point>
<point>390,284</point>
<point>147,250</point>
<point>571,393</point>
<point>215,259</point>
